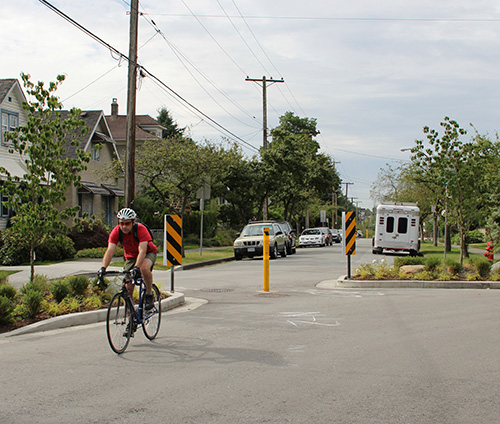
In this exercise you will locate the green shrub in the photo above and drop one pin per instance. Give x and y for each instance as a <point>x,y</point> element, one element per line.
<point>454,267</point>
<point>56,248</point>
<point>78,284</point>
<point>400,261</point>
<point>68,305</point>
<point>97,252</point>
<point>482,267</point>
<point>474,236</point>
<point>224,237</point>
<point>8,291</point>
<point>89,235</point>
<point>60,289</point>
<point>6,309</point>
<point>92,302</point>
<point>426,275</point>
<point>32,303</point>
<point>98,286</point>
<point>15,248</point>
<point>40,284</point>
<point>365,271</point>
<point>432,263</point>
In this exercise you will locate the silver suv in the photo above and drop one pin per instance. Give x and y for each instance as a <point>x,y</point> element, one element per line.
<point>250,241</point>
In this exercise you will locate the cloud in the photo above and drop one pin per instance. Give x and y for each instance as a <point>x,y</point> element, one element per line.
<point>373,74</point>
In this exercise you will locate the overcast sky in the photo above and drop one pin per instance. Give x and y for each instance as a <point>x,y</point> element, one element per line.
<point>373,74</point>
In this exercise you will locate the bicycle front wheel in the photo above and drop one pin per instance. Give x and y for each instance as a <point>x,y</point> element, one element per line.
<point>117,320</point>
<point>151,323</point>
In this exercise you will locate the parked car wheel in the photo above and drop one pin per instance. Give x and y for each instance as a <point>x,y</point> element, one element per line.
<point>273,252</point>
<point>284,252</point>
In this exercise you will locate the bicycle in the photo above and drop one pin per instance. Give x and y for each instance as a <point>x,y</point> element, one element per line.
<point>123,317</point>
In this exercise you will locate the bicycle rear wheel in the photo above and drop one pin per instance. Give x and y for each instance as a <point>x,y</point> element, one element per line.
<point>117,319</point>
<point>151,322</point>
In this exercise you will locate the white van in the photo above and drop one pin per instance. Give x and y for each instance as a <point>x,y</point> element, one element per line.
<point>397,228</point>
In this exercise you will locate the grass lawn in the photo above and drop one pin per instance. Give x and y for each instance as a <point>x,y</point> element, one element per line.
<point>191,257</point>
<point>5,274</point>
<point>428,250</point>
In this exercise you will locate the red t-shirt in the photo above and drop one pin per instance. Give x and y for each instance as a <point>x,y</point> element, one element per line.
<point>130,244</point>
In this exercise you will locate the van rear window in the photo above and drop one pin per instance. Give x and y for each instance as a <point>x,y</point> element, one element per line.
<point>402,225</point>
<point>389,224</point>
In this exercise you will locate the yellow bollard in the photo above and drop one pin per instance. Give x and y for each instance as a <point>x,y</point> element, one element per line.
<point>265,260</point>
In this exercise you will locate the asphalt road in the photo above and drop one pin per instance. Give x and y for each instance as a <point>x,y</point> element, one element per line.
<point>299,354</point>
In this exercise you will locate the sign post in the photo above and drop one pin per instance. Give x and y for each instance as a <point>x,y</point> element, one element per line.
<point>172,244</point>
<point>265,260</point>
<point>349,239</point>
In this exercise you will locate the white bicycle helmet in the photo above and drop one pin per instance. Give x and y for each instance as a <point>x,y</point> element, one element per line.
<point>126,213</point>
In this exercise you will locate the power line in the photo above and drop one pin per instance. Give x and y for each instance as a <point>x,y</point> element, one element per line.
<point>182,57</point>
<point>242,38</point>
<point>270,61</point>
<point>213,38</point>
<point>93,82</point>
<point>121,55</point>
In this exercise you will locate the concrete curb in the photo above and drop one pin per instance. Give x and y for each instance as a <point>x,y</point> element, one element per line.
<point>84,318</point>
<point>343,282</point>
<point>207,263</point>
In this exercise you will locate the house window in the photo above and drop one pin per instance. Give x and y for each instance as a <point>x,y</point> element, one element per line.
<point>10,121</point>
<point>4,210</point>
<point>96,151</point>
<point>86,203</point>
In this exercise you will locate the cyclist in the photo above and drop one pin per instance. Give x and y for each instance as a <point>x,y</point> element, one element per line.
<point>139,252</point>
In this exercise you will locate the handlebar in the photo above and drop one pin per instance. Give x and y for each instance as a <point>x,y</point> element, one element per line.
<point>123,273</point>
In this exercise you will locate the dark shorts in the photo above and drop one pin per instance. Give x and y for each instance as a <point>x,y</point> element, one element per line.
<point>129,263</point>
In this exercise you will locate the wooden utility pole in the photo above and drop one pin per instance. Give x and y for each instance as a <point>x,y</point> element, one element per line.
<point>264,82</point>
<point>131,100</point>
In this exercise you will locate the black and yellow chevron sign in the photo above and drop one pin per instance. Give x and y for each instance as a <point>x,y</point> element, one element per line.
<point>174,240</point>
<point>350,233</point>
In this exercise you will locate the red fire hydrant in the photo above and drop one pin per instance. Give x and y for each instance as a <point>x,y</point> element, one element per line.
<point>489,251</point>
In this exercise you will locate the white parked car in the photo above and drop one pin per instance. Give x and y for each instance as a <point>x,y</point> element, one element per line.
<point>312,237</point>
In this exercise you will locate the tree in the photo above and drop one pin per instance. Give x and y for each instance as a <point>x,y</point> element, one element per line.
<point>177,167</point>
<point>294,169</point>
<point>456,170</point>
<point>404,184</point>
<point>491,198</point>
<point>240,186</point>
<point>388,185</point>
<point>165,119</point>
<point>41,143</point>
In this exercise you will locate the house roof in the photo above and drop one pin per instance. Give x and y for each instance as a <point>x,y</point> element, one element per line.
<point>14,166</point>
<point>5,87</point>
<point>91,118</point>
<point>118,126</point>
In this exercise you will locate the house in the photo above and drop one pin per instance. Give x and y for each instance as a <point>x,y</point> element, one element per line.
<point>147,128</point>
<point>12,115</point>
<point>98,195</point>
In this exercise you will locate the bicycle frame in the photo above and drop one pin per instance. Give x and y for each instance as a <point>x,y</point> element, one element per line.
<point>138,313</point>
